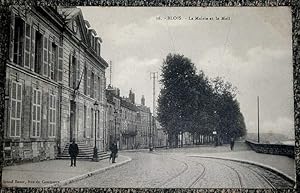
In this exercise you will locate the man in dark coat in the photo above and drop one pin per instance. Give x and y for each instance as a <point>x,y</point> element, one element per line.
<point>114,150</point>
<point>231,143</point>
<point>73,151</point>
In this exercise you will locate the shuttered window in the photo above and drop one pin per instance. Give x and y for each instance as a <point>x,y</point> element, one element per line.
<point>60,64</point>
<point>85,80</point>
<point>15,109</point>
<point>36,112</point>
<point>38,61</point>
<point>11,37</point>
<point>33,41</point>
<point>54,62</point>
<point>50,64</point>
<point>45,57</point>
<point>18,41</point>
<point>52,115</point>
<point>27,42</point>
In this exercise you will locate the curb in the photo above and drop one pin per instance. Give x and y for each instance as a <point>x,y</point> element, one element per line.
<point>89,174</point>
<point>272,169</point>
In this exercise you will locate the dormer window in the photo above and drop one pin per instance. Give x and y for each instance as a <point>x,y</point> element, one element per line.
<point>74,26</point>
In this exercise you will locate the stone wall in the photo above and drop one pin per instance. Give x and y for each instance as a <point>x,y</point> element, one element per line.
<point>275,149</point>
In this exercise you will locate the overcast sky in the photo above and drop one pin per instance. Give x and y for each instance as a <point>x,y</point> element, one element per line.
<point>252,50</point>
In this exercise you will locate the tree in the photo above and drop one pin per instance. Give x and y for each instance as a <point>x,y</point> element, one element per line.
<point>174,103</point>
<point>191,102</point>
<point>230,121</point>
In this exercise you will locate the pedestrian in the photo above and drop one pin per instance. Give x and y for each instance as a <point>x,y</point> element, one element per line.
<point>73,151</point>
<point>114,151</point>
<point>231,143</point>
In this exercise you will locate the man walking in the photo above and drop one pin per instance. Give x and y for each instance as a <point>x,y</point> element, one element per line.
<point>231,143</point>
<point>114,150</point>
<point>73,151</point>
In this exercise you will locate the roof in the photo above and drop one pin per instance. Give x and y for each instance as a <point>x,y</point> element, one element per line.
<point>129,105</point>
<point>144,108</point>
<point>69,12</point>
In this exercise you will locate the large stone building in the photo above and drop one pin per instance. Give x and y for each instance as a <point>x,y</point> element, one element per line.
<point>55,82</point>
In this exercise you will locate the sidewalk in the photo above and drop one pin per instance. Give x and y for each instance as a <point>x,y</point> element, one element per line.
<point>54,172</point>
<point>281,164</point>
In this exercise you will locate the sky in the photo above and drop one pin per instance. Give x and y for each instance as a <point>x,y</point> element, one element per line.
<point>249,47</point>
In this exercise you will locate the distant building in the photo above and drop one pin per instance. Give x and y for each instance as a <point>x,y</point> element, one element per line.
<point>160,137</point>
<point>113,115</point>
<point>143,134</point>
<point>130,122</point>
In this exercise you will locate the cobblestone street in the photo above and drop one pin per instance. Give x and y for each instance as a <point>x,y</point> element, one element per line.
<point>163,169</point>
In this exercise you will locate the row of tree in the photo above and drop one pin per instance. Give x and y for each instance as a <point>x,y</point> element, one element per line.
<point>191,102</point>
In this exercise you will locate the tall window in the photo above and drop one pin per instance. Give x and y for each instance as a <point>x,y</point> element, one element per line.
<point>72,71</point>
<point>27,50</point>
<point>45,56</point>
<point>92,85</point>
<point>99,89</point>
<point>53,63</point>
<point>16,109</point>
<point>18,41</point>
<point>39,52</point>
<point>36,113</point>
<point>52,115</point>
<point>60,64</point>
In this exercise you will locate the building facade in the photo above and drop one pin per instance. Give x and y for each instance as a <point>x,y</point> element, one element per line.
<point>144,131</point>
<point>55,81</point>
<point>130,122</point>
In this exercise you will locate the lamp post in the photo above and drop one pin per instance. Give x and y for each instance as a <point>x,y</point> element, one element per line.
<point>95,156</point>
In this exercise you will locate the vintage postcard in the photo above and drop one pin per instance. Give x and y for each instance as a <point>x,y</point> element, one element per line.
<point>149,97</point>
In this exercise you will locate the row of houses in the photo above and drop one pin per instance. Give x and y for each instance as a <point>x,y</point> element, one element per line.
<point>56,89</point>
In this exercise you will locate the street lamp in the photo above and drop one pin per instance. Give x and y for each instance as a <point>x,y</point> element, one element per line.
<point>95,156</point>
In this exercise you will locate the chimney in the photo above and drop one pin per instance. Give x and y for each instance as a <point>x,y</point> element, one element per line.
<point>131,96</point>
<point>143,100</point>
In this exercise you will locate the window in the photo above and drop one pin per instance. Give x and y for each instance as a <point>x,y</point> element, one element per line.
<point>53,63</point>
<point>52,115</point>
<point>18,41</point>
<point>16,109</point>
<point>99,89</point>
<point>45,56</point>
<point>36,113</point>
<point>92,85</point>
<point>39,52</point>
<point>60,64</point>
<point>72,71</point>
<point>27,49</point>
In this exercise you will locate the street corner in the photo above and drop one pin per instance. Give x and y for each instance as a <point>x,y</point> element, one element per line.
<point>123,160</point>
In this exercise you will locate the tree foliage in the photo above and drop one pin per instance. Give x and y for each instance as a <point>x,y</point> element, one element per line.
<point>191,102</point>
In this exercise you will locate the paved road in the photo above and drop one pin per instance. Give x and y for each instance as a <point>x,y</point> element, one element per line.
<point>177,170</point>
